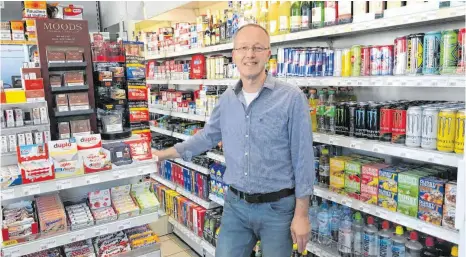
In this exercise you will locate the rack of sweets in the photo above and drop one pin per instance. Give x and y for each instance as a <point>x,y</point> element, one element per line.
<point>198,228</point>
<point>48,222</point>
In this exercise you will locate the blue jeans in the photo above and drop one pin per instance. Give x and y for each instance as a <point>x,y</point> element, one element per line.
<point>243,224</point>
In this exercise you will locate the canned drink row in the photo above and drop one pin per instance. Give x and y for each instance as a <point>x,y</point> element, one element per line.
<point>305,62</point>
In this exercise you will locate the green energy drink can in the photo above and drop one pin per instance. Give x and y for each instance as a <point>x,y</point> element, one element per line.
<point>415,54</point>
<point>449,51</point>
<point>356,61</point>
<point>431,62</point>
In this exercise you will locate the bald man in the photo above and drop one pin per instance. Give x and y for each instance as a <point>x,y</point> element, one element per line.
<point>264,126</point>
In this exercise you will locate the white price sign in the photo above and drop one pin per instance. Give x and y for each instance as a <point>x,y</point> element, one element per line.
<point>381,213</point>
<point>31,190</point>
<point>93,179</point>
<point>101,231</point>
<point>11,253</point>
<point>333,141</point>
<point>120,174</point>
<point>355,145</point>
<point>125,225</point>
<point>64,184</point>
<point>48,244</point>
<point>77,237</point>
<point>7,194</point>
<point>347,202</point>
<point>436,158</point>
<point>378,149</point>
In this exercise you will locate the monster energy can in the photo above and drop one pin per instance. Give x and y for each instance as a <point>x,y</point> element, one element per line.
<point>446,130</point>
<point>414,126</point>
<point>459,131</point>
<point>449,51</point>
<point>373,121</point>
<point>429,128</point>
<point>415,54</point>
<point>431,62</point>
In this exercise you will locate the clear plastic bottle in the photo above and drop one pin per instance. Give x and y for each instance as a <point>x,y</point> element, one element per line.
<point>330,110</point>
<point>335,221</point>
<point>385,240</point>
<point>399,241</point>
<point>413,247</point>
<point>313,212</point>
<point>345,235</point>
<point>357,228</point>
<point>370,239</point>
<point>313,108</point>
<point>324,168</point>
<point>324,225</point>
<point>321,112</point>
<point>429,250</point>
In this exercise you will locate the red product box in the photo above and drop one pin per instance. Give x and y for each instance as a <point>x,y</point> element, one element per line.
<point>200,184</point>
<point>138,114</point>
<point>90,151</point>
<point>34,84</point>
<point>137,93</point>
<point>34,163</point>
<point>99,199</point>
<point>199,214</point>
<point>198,67</point>
<point>140,149</point>
<point>34,95</point>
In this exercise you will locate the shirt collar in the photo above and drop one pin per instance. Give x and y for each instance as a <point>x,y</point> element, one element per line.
<point>269,83</point>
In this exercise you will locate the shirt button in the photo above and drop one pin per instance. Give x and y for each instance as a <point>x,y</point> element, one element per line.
<point>247,136</point>
<point>247,117</point>
<point>246,153</point>
<point>245,174</point>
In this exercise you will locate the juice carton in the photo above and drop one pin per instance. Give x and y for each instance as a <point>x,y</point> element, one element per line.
<point>408,182</point>
<point>388,178</point>
<point>387,199</point>
<point>430,212</point>
<point>353,177</point>
<point>370,182</point>
<point>407,205</point>
<point>432,189</point>
<point>337,173</point>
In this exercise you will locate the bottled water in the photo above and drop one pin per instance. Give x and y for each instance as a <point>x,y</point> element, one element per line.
<point>370,238</point>
<point>385,240</point>
<point>345,235</point>
<point>335,221</point>
<point>413,247</point>
<point>324,225</point>
<point>313,211</point>
<point>357,228</point>
<point>429,250</point>
<point>399,241</point>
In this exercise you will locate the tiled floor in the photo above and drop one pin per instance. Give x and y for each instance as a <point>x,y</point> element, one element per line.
<point>172,246</point>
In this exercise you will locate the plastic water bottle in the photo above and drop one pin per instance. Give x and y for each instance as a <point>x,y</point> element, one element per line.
<point>324,225</point>
<point>385,240</point>
<point>413,247</point>
<point>369,241</point>
<point>335,221</point>
<point>399,241</point>
<point>313,211</point>
<point>429,250</point>
<point>357,228</point>
<point>345,235</point>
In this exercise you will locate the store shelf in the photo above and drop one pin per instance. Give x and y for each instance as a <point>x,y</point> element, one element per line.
<point>23,105</point>
<point>17,42</point>
<point>398,218</point>
<point>69,89</point>
<point>159,110</point>
<point>118,172</point>
<point>177,114</point>
<point>185,193</point>
<point>201,246</point>
<point>73,113</point>
<point>431,156</point>
<point>150,251</point>
<point>22,129</point>
<point>193,166</point>
<point>156,81</point>
<point>161,130</point>
<point>217,199</point>
<point>180,136</point>
<point>320,250</point>
<point>73,236</point>
<point>216,157</point>
<point>67,66</point>
<point>415,19</point>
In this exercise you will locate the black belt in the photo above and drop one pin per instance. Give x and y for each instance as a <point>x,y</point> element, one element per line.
<point>263,198</point>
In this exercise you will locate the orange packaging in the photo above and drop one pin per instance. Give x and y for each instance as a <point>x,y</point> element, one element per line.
<point>17,26</point>
<point>34,9</point>
<point>31,25</point>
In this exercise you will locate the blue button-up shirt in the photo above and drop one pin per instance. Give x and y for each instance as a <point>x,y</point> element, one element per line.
<point>267,145</point>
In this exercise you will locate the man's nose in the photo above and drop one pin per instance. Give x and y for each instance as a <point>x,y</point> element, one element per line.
<point>250,53</point>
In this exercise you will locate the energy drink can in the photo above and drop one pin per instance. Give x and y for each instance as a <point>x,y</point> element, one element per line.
<point>386,62</point>
<point>337,63</point>
<point>459,131</point>
<point>429,127</point>
<point>446,130</point>
<point>401,59</point>
<point>319,62</point>
<point>346,63</point>
<point>302,63</point>
<point>360,124</point>
<point>461,50</point>
<point>292,71</point>
<point>414,126</point>
<point>281,62</point>
<point>356,60</point>
<point>399,125</point>
<point>311,66</point>
<point>272,66</point>
<point>324,61</point>
<point>376,59</point>
<point>373,121</point>
<point>449,51</point>
<point>386,122</point>
<point>341,115</point>
<point>288,61</point>
<point>431,62</point>
<point>329,56</point>
<point>351,119</point>
<point>365,61</point>
<point>415,54</point>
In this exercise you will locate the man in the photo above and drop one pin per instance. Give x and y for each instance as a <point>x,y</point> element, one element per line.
<point>264,126</point>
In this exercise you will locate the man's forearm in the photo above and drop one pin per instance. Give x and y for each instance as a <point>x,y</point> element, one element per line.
<point>302,206</point>
<point>169,153</point>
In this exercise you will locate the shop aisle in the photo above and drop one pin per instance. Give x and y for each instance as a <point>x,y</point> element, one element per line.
<point>173,246</point>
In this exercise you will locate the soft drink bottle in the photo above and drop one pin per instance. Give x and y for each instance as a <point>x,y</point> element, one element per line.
<point>429,250</point>
<point>345,235</point>
<point>324,168</point>
<point>324,225</point>
<point>385,240</point>
<point>454,251</point>
<point>313,211</point>
<point>370,238</point>
<point>399,241</point>
<point>413,247</point>
<point>443,248</point>
<point>335,221</point>
<point>357,228</point>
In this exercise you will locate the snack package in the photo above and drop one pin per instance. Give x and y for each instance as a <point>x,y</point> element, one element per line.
<point>64,155</point>
<point>99,199</point>
<point>140,149</point>
<point>119,152</point>
<point>34,163</point>
<point>123,203</point>
<point>91,154</point>
<point>51,213</point>
<point>146,200</point>
<point>79,216</point>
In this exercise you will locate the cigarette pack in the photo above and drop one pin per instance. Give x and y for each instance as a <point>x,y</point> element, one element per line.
<point>33,161</point>
<point>38,137</point>
<point>47,136</point>
<point>12,143</point>
<point>64,155</point>
<point>29,138</point>
<point>36,116</point>
<point>21,139</point>
<point>19,117</point>
<point>4,144</point>
<point>91,154</point>
<point>9,118</point>
<point>43,115</point>
<point>64,130</point>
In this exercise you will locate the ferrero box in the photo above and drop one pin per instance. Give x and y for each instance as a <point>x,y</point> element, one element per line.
<point>337,173</point>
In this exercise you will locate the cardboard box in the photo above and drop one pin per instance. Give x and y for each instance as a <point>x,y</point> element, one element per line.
<point>353,177</point>
<point>430,212</point>
<point>91,154</point>
<point>448,219</point>
<point>34,163</point>
<point>432,189</point>
<point>387,199</point>
<point>64,155</point>
<point>337,173</point>
<point>450,193</point>
<point>370,182</point>
<point>408,182</point>
<point>407,205</point>
<point>388,178</point>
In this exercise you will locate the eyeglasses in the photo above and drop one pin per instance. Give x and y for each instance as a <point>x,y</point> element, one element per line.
<point>255,49</point>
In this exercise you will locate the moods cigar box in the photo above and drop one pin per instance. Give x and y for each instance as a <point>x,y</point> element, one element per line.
<point>91,154</point>
<point>64,155</point>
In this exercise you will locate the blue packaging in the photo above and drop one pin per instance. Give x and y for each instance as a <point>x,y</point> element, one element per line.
<point>289,61</point>
<point>311,65</point>
<point>295,62</point>
<point>280,62</point>
<point>431,53</point>
<point>319,62</point>
<point>330,55</point>
<point>302,63</point>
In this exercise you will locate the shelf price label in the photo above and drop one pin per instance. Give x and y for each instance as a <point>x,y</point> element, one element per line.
<point>101,231</point>
<point>94,179</point>
<point>31,190</point>
<point>120,174</point>
<point>77,237</point>
<point>378,149</point>
<point>355,145</point>
<point>12,253</point>
<point>347,202</point>
<point>48,244</point>
<point>381,213</point>
<point>125,225</point>
<point>64,184</point>
<point>7,194</point>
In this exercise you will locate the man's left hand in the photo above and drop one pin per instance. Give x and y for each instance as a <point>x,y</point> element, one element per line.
<point>300,229</point>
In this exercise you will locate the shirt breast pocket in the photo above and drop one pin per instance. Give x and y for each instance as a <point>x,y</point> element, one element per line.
<point>270,126</point>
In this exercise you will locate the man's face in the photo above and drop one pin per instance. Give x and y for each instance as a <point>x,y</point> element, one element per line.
<point>251,63</point>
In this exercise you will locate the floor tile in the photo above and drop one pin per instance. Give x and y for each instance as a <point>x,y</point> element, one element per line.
<point>169,247</point>
<point>181,254</point>
<point>165,238</point>
<point>192,253</point>
<point>180,243</point>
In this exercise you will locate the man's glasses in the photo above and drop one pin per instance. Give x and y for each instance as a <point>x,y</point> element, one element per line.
<point>255,49</point>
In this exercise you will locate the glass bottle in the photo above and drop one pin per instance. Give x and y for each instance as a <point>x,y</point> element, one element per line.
<point>264,16</point>
<point>284,17</point>
<point>295,16</point>
<point>305,15</point>
<point>273,18</point>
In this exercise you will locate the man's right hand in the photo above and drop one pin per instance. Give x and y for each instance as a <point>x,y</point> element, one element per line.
<point>169,153</point>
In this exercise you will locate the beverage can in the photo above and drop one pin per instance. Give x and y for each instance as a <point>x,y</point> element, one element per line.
<point>365,61</point>
<point>293,70</point>
<point>459,131</point>
<point>399,125</point>
<point>415,53</point>
<point>319,62</point>
<point>446,130</point>
<point>461,51</point>
<point>302,63</point>
<point>429,128</point>
<point>386,62</point>
<point>449,51</point>
<point>311,66</point>
<point>400,55</point>
<point>373,121</point>
<point>376,59</point>
<point>273,65</point>
<point>280,62</point>
<point>431,53</point>
<point>324,61</point>
<point>360,122</point>
<point>346,62</point>
<point>330,57</point>
<point>414,126</point>
<point>337,62</point>
<point>340,118</point>
<point>288,61</point>
<point>386,122</point>
<point>355,60</point>
<point>351,121</point>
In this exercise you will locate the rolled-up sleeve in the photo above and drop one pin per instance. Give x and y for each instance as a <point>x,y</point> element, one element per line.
<point>302,155</point>
<point>203,140</point>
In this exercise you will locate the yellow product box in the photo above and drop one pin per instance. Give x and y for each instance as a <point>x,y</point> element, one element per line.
<point>15,96</point>
<point>337,173</point>
<point>388,199</point>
